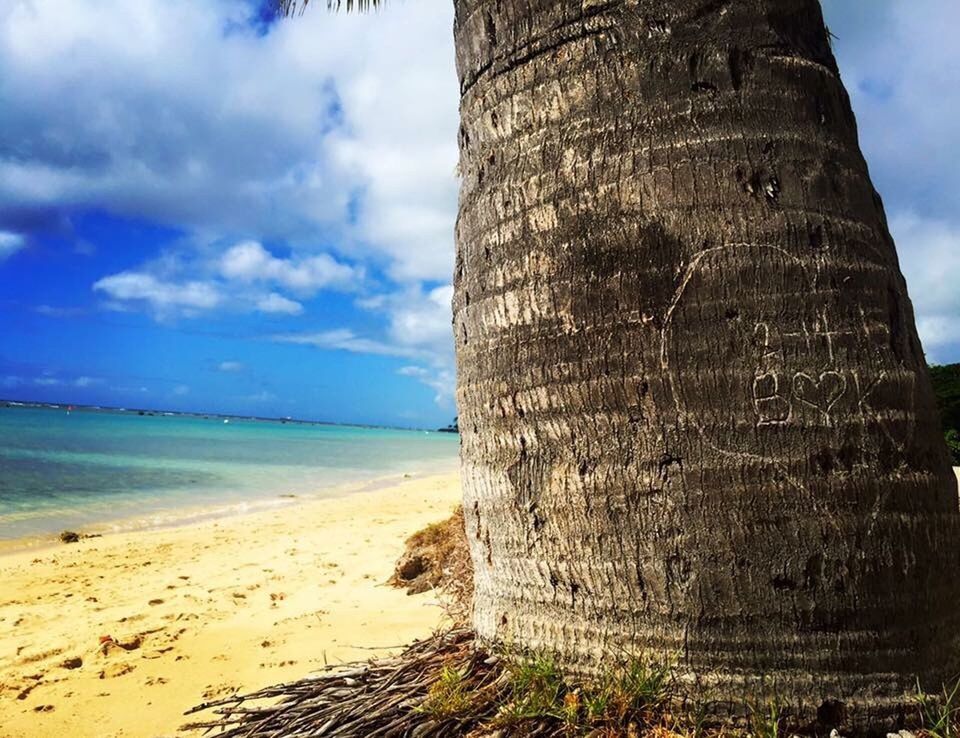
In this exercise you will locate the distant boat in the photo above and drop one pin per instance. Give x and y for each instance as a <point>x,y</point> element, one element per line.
<point>226,420</point>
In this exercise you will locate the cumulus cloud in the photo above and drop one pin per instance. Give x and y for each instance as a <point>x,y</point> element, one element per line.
<point>164,298</point>
<point>10,243</point>
<point>279,305</point>
<point>304,131</point>
<point>251,262</point>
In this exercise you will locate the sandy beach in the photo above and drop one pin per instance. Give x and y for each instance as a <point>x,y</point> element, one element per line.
<point>117,636</point>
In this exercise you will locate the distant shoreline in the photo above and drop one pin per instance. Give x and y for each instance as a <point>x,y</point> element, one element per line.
<point>154,412</point>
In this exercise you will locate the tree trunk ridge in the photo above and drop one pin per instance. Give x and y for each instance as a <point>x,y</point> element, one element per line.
<point>696,418</point>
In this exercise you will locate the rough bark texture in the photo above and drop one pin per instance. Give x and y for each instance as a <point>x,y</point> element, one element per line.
<point>695,414</point>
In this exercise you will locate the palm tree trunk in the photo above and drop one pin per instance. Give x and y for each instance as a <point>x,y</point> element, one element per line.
<point>696,418</point>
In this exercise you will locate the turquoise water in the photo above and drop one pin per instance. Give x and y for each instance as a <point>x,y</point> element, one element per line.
<point>99,470</point>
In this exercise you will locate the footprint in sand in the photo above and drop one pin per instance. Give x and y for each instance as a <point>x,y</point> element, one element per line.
<point>116,670</point>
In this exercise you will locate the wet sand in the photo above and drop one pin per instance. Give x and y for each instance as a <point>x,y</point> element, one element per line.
<point>117,636</point>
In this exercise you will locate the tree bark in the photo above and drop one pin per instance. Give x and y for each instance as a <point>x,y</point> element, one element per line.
<point>696,417</point>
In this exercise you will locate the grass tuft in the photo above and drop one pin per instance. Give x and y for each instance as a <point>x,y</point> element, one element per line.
<point>940,714</point>
<point>449,696</point>
<point>765,723</point>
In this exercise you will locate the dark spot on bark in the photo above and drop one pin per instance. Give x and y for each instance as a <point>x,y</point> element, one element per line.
<point>768,148</point>
<point>574,591</point>
<point>486,253</point>
<point>495,121</point>
<point>489,547</point>
<point>554,580</point>
<point>739,61</point>
<point>813,571</point>
<point>831,713</point>
<point>490,28</point>
<point>584,468</point>
<point>476,513</point>
<point>783,584</point>
<point>816,237</point>
<point>503,620</point>
<point>702,86</point>
<point>823,461</point>
<point>523,448</point>
<point>666,461</point>
<point>538,522</point>
<point>848,456</point>
<point>732,314</point>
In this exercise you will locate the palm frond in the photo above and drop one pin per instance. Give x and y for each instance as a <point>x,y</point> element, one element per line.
<point>296,7</point>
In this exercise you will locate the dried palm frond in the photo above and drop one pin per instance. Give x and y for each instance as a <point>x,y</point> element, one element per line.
<point>295,7</point>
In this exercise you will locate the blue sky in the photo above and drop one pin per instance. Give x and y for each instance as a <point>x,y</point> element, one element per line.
<point>204,210</point>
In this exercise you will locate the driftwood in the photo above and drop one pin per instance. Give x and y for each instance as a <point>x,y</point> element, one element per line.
<point>379,699</point>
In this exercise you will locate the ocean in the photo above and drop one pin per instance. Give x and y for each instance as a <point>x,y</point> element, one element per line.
<point>99,471</point>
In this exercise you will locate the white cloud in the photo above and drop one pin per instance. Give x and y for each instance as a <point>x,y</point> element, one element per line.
<point>181,390</point>
<point>47,381</point>
<point>326,128</point>
<point>278,304</point>
<point>442,380</point>
<point>84,382</point>
<point>418,319</point>
<point>930,257</point>
<point>418,328</point>
<point>251,262</point>
<point>10,243</point>
<point>343,339</point>
<point>165,298</point>
<point>230,366</point>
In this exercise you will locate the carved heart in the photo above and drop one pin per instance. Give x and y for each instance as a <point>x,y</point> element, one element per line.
<point>821,393</point>
<point>766,386</point>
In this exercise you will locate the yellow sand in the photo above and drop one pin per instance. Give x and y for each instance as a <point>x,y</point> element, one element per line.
<point>205,609</point>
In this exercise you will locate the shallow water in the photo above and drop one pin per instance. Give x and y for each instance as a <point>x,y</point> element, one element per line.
<point>103,470</point>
